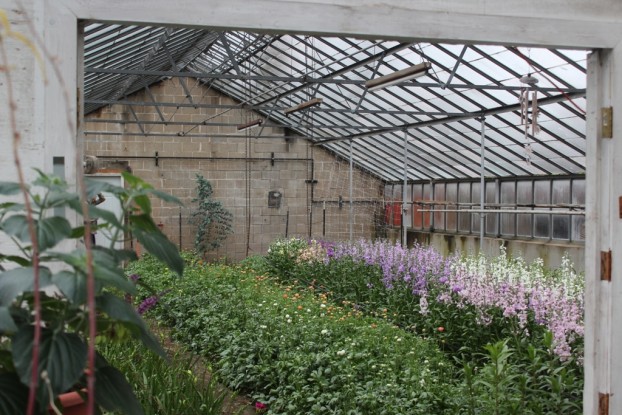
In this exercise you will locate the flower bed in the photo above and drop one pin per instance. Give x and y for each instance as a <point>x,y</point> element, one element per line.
<point>296,352</point>
<point>355,329</point>
<point>487,309</point>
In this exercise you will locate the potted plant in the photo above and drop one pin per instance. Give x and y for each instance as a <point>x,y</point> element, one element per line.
<point>55,300</point>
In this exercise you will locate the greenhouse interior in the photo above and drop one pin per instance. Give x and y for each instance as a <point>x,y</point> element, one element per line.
<point>235,217</point>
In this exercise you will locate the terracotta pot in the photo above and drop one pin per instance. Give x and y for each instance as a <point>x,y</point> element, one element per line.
<point>72,404</point>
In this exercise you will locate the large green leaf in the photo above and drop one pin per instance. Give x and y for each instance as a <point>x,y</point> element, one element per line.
<point>154,241</point>
<point>50,231</point>
<point>106,270</point>
<point>17,226</point>
<point>21,261</point>
<point>144,203</point>
<point>120,310</point>
<point>18,280</point>
<point>9,188</point>
<point>144,223</point>
<point>77,232</point>
<point>161,248</point>
<point>11,207</point>
<point>50,181</point>
<point>7,325</point>
<point>120,255</point>
<point>114,393</point>
<point>166,197</point>
<point>13,395</point>
<point>135,182</point>
<point>59,198</point>
<point>61,354</point>
<point>105,215</point>
<point>72,285</point>
<point>94,187</point>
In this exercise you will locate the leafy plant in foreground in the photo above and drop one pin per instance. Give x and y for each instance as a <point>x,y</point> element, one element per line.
<point>59,327</point>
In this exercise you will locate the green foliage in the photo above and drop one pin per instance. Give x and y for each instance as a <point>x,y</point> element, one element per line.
<point>526,380</point>
<point>488,383</point>
<point>298,352</point>
<point>212,220</point>
<point>63,276</point>
<point>165,387</point>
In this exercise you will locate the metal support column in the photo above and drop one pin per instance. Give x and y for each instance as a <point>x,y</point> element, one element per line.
<point>482,187</point>
<point>351,203</point>
<point>404,193</point>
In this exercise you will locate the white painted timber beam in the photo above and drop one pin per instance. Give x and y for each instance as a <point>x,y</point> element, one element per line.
<point>603,308</point>
<point>554,23</point>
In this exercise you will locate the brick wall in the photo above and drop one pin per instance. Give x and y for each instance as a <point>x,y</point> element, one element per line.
<point>240,170</point>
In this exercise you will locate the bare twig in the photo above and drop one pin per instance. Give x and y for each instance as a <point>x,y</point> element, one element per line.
<point>34,378</point>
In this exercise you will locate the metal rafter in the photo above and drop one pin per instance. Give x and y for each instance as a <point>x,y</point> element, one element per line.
<point>126,59</point>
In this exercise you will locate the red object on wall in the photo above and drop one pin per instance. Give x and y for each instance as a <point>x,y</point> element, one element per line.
<point>393,214</point>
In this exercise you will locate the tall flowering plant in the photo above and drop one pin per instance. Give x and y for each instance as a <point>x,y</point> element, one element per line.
<point>553,300</point>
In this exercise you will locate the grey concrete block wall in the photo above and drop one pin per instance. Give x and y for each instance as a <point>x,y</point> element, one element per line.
<point>241,186</point>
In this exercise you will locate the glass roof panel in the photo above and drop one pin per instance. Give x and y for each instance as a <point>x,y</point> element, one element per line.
<point>273,72</point>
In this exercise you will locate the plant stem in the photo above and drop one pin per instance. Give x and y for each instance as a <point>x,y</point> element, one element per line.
<point>34,378</point>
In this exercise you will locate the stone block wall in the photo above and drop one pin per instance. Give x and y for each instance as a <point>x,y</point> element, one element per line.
<point>242,170</point>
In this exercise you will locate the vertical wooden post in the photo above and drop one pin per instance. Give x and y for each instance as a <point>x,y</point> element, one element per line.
<point>603,368</point>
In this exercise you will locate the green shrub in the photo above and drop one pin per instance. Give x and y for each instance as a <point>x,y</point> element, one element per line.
<point>213,221</point>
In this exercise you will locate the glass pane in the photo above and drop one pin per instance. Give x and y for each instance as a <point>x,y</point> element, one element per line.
<point>408,213</point>
<point>561,195</point>
<point>397,192</point>
<point>561,226</point>
<point>508,197</point>
<point>452,196</point>
<point>427,195</point>
<point>439,217</point>
<point>525,197</point>
<point>578,198</point>
<point>561,191</point>
<point>542,196</point>
<point>464,195</point>
<point>491,218</point>
<point>417,216</point>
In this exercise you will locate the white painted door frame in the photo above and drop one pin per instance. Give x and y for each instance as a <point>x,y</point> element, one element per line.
<point>552,23</point>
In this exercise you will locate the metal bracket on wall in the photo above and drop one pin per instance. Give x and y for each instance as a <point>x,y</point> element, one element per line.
<point>156,159</point>
<point>605,265</point>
